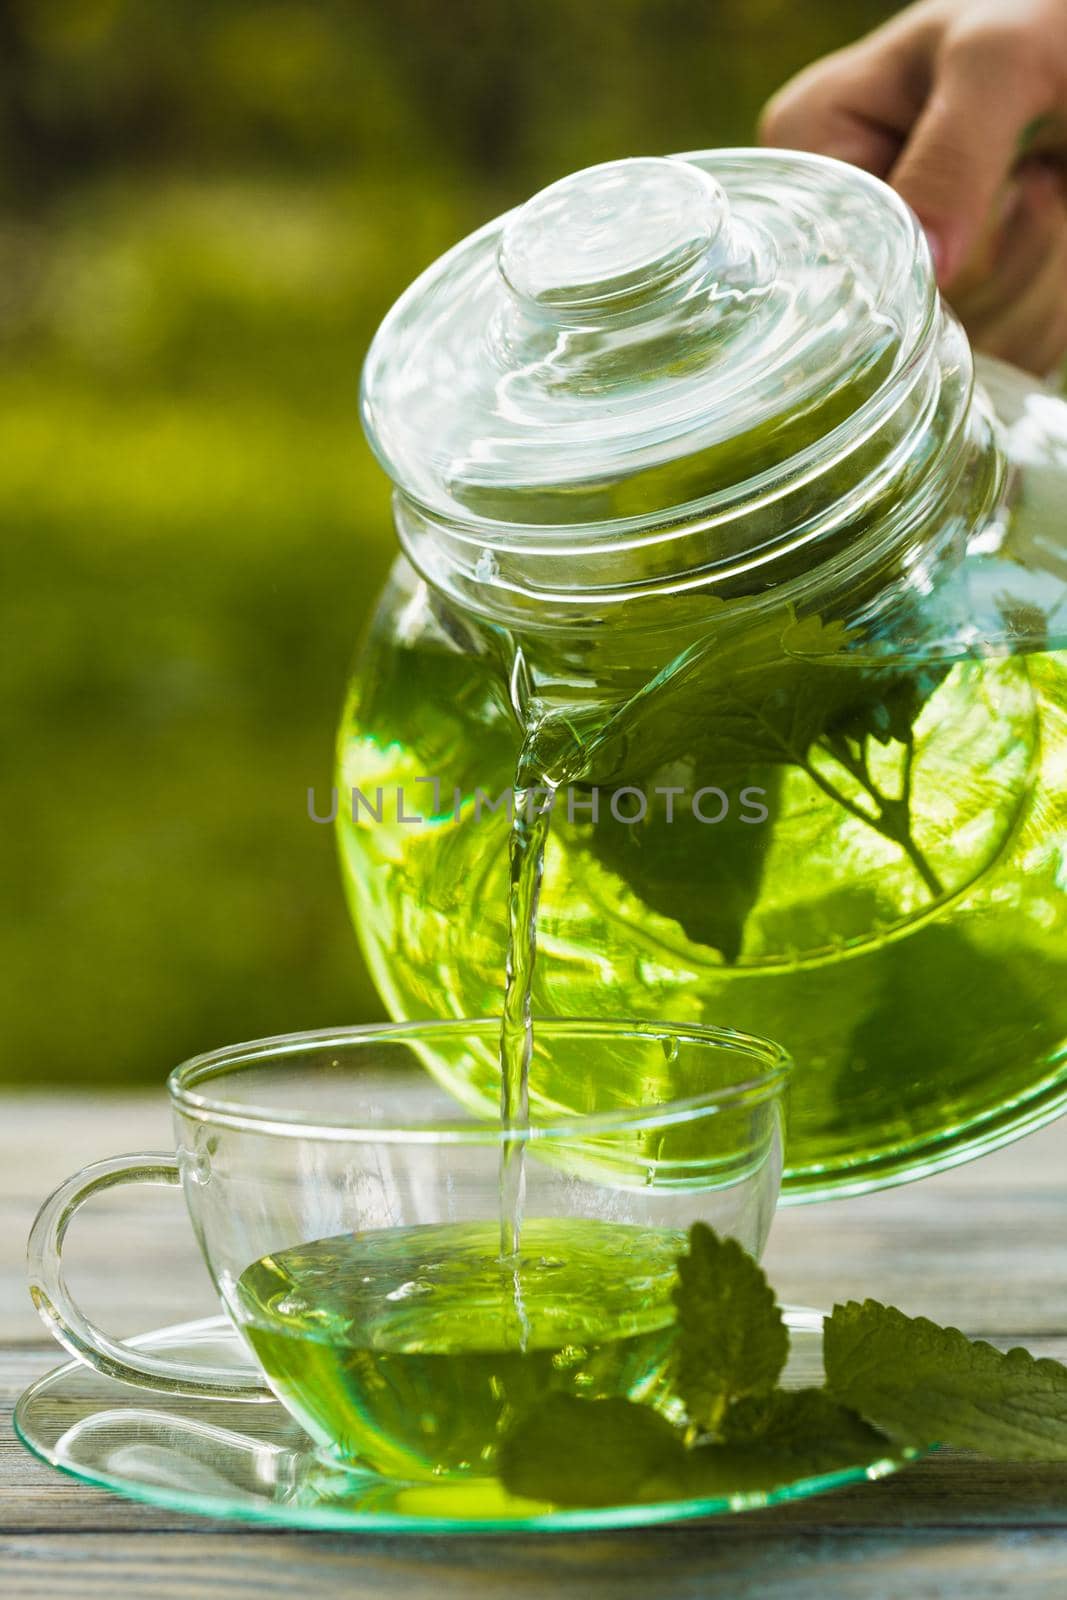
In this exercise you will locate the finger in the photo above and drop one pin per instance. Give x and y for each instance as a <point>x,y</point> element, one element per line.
<point>1048,361</point>
<point>965,141</point>
<point>803,119</point>
<point>852,105</point>
<point>1030,329</point>
<point>1052,367</point>
<point>1040,351</point>
<point>860,103</point>
<point>1039,348</point>
<point>1002,270</point>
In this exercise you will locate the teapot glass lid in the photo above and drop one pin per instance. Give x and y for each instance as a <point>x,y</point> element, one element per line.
<point>555,367</point>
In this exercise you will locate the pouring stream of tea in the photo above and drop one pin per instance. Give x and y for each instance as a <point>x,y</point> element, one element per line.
<point>529,835</point>
<point>552,755</point>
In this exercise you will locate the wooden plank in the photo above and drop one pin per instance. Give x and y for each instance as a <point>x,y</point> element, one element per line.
<point>738,1563</point>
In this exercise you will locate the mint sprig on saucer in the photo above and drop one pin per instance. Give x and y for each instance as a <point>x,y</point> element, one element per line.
<point>918,1382</point>
<point>891,1381</point>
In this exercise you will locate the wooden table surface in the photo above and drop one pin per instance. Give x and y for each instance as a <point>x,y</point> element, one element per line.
<point>984,1247</point>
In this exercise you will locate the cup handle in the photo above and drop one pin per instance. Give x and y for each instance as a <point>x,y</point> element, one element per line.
<point>74,1331</point>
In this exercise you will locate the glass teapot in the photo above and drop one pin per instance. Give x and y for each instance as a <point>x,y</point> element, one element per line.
<point>719,543</point>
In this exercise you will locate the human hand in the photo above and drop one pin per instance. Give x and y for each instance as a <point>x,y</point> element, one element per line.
<point>962,106</point>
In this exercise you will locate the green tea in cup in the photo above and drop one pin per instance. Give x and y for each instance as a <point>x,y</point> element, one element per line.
<point>412,1350</point>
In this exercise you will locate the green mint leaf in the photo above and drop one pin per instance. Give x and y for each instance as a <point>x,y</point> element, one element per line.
<point>894,706</point>
<point>731,1338</point>
<point>705,877</point>
<point>771,1440</point>
<point>920,1383</point>
<point>592,1453</point>
<point>806,1423</point>
<point>745,707</point>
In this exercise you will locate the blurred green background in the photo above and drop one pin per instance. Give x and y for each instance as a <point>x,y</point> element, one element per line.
<point>205,209</point>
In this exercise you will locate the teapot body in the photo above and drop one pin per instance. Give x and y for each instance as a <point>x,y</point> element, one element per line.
<point>854,842</point>
<point>719,544</point>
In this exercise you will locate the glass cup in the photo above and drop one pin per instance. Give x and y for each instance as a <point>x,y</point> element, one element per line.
<point>350,1217</point>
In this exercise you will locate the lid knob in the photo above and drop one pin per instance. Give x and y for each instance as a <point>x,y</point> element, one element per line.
<point>612,238</point>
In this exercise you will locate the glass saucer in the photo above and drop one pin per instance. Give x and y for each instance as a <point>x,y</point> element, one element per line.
<point>251,1462</point>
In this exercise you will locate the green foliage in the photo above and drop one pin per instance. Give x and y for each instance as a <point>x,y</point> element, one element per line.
<point>518,93</point>
<point>776,1438</point>
<point>205,212</point>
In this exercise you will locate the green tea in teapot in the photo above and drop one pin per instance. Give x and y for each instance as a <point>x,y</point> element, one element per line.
<point>724,664</point>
